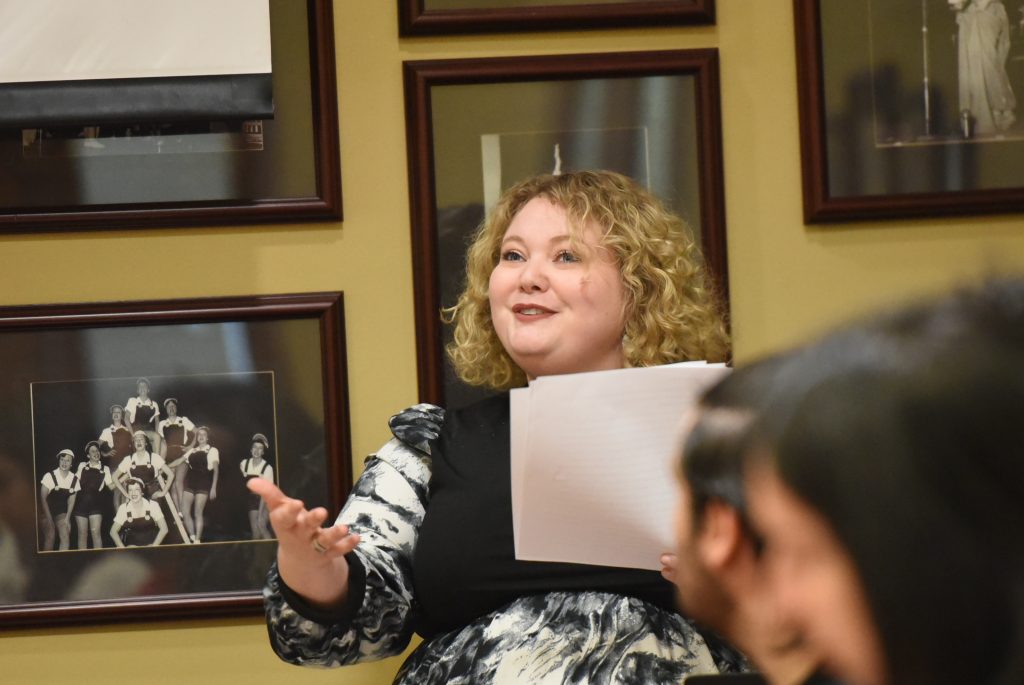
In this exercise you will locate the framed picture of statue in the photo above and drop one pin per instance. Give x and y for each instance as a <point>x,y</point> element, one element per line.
<point>909,108</point>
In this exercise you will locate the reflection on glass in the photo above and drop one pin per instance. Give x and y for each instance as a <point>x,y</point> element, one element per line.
<point>524,154</point>
<point>489,136</point>
<point>142,139</point>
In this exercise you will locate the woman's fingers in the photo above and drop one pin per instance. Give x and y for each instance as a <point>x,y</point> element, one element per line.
<point>286,515</point>
<point>337,540</point>
<point>334,534</point>
<point>293,524</point>
<point>317,516</point>
<point>285,512</point>
<point>290,518</point>
<point>270,493</point>
<point>669,563</point>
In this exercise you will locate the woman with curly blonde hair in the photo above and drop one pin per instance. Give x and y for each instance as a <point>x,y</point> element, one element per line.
<point>672,313</point>
<point>581,272</point>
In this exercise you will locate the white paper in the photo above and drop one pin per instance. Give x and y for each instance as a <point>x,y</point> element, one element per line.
<point>519,427</point>
<point>593,463</point>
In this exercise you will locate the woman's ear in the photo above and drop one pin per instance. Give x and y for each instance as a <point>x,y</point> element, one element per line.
<point>720,535</point>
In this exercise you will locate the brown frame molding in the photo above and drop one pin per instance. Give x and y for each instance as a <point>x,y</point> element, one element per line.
<point>326,205</point>
<point>415,20</point>
<point>326,307</point>
<point>421,76</point>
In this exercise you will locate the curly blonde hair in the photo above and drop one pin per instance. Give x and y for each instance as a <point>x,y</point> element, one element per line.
<point>672,313</point>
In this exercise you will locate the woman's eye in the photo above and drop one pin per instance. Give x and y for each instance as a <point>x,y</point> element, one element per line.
<point>511,256</point>
<point>566,257</point>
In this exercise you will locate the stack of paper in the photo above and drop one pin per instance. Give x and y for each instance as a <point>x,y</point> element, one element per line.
<point>593,459</point>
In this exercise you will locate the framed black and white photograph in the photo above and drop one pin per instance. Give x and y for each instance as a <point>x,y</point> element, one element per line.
<point>138,114</point>
<point>130,430</point>
<point>477,126</point>
<point>427,17</point>
<point>909,108</point>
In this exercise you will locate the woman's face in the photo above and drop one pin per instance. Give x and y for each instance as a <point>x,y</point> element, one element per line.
<point>202,437</point>
<point>556,310</point>
<point>134,492</point>
<point>139,441</point>
<point>143,388</point>
<point>93,453</point>
<point>64,462</point>
<point>172,409</point>
<point>116,416</point>
<point>257,450</point>
<point>815,582</point>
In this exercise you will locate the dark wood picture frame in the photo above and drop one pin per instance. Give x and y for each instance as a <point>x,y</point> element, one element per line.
<point>284,332</point>
<point>421,76</point>
<point>416,20</point>
<point>820,202</point>
<point>324,205</point>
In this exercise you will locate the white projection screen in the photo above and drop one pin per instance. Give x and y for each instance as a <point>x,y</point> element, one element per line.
<point>89,62</point>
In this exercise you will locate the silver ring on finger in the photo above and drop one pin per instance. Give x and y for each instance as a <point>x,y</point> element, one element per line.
<point>317,547</point>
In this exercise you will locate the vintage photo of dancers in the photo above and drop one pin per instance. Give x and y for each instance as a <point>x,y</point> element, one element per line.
<point>152,461</point>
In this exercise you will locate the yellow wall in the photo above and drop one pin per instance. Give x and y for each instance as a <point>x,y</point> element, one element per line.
<point>788,281</point>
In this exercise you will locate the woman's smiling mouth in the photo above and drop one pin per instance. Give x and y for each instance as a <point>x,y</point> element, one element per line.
<point>530,310</point>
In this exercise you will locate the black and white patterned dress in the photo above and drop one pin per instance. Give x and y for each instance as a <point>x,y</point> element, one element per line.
<point>433,509</point>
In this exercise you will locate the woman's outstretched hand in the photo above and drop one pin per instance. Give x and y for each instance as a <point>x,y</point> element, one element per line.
<point>310,558</point>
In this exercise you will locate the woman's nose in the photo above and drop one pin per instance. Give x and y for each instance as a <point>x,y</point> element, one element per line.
<point>533,276</point>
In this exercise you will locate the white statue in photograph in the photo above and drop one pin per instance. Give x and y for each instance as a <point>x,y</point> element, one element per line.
<point>986,96</point>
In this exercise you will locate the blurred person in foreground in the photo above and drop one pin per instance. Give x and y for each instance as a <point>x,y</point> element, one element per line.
<point>887,483</point>
<point>719,567</point>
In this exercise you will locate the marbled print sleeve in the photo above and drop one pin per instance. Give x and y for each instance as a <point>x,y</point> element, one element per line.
<point>386,508</point>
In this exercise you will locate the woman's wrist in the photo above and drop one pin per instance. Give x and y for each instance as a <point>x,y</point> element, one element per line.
<point>323,586</point>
